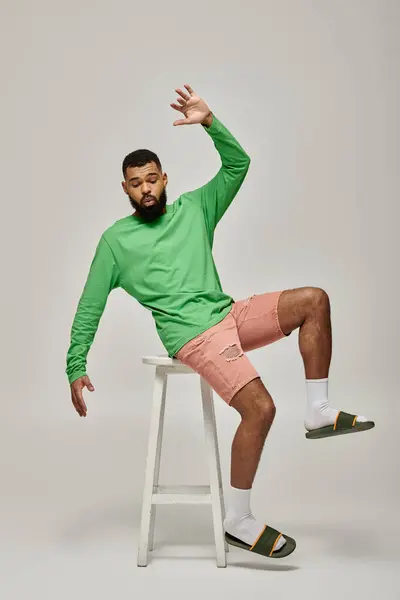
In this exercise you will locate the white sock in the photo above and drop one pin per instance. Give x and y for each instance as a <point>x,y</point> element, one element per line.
<point>239,520</point>
<point>319,412</point>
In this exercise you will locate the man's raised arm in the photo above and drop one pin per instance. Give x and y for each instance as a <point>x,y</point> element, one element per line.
<point>216,195</point>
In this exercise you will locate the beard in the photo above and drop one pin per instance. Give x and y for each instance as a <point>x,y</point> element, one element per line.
<point>151,213</point>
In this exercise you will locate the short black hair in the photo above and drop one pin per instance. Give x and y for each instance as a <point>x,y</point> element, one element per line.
<point>139,158</point>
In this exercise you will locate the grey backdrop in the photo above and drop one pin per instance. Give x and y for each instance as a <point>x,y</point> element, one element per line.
<point>310,89</point>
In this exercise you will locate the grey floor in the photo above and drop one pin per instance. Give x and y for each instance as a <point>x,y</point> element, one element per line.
<point>71,510</point>
<point>100,564</point>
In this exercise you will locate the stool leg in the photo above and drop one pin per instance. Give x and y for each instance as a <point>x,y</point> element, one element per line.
<point>151,464</point>
<point>158,461</point>
<point>214,426</point>
<point>221,487</point>
<point>214,471</point>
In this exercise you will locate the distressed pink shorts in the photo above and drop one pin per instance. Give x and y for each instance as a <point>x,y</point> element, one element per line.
<point>218,353</point>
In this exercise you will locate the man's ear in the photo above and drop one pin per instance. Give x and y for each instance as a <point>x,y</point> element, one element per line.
<point>165,178</point>
<point>123,183</point>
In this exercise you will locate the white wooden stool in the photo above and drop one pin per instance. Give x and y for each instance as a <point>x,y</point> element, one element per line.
<point>154,493</point>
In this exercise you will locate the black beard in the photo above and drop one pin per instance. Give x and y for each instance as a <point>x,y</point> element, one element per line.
<point>151,213</point>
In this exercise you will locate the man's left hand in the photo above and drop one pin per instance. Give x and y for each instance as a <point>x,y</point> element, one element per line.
<point>193,107</point>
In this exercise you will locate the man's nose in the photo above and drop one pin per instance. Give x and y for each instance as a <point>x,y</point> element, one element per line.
<point>145,189</point>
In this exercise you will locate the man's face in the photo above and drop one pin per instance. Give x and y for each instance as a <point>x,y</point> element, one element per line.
<point>145,187</point>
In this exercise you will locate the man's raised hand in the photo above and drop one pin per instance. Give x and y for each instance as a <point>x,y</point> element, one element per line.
<point>192,106</point>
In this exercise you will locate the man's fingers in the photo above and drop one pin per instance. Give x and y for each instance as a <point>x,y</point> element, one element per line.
<point>88,383</point>
<point>90,387</point>
<point>182,122</point>
<point>189,88</point>
<point>183,94</point>
<point>79,402</point>
<point>76,405</point>
<point>176,107</point>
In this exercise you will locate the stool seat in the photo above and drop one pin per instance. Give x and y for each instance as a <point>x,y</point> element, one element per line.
<point>162,360</point>
<point>173,365</point>
<point>154,493</point>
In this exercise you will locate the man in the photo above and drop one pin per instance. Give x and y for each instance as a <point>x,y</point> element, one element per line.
<point>162,256</point>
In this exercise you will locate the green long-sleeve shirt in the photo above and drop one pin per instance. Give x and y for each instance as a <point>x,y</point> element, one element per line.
<point>167,265</point>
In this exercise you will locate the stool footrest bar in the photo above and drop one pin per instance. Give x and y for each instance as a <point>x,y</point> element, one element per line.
<point>181,494</point>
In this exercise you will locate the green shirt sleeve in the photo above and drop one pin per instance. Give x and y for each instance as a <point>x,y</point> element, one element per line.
<point>216,195</point>
<point>102,278</point>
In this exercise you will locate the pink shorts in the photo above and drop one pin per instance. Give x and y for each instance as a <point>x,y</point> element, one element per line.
<point>218,353</point>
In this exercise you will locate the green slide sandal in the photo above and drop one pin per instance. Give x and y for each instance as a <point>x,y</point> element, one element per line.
<point>345,423</point>
<point>265,543</point>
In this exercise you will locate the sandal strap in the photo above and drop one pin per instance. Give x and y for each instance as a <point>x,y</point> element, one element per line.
<point>266,541</point>
<point>345,421</point>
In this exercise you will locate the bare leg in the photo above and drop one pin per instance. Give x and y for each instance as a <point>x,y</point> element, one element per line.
<point>309,309</point>
<point>257,410</point>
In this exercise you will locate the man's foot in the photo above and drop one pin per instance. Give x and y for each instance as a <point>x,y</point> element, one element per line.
<point>343,423</point>
<point>321,416</point>
<point>266,543</point>
<point>322,420</point>
<point>248,530</point>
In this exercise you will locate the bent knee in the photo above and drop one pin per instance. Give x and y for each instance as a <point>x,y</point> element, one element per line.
<point>261,411</point>
<point>254,402</point>
<point>316,296</point>
<point>265,411</point>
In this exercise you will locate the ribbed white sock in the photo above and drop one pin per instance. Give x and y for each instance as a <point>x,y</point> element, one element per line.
<point>319,412</point>
<point>240,521</point>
